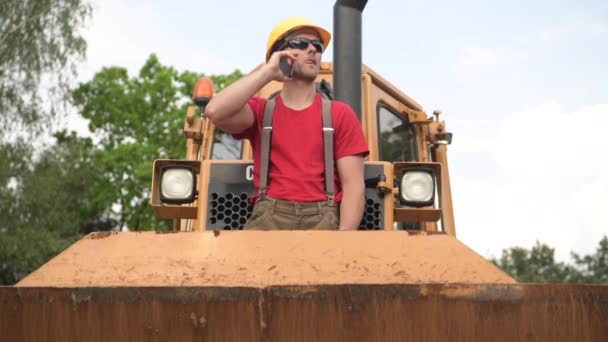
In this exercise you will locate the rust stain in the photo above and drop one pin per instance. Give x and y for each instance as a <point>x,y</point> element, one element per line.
<point>196,321</point>
<point>100,235</point>
<point>423,291</point>
<point>460,292</point>
<point>216,233</point>
<point>166,232</point>
<point>400,273</point>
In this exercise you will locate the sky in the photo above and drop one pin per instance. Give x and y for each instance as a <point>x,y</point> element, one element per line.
<point>523,86</point>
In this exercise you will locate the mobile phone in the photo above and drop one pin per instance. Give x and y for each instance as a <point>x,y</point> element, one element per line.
<point>286,68</point>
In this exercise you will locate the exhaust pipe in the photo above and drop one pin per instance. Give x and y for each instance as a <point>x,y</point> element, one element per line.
<point>347,52</point>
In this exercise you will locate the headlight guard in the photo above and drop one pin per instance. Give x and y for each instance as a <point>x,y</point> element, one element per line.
<point>177,184</point>
<point>417,187</point>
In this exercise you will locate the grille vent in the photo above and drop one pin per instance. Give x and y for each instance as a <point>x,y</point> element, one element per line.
<point>229,211</point>
<point>372,215</point>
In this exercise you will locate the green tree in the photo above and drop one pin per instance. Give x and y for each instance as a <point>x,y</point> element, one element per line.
<point>593,268</point>
<point>137,120</point>
<point>14,163</point>
<point>50,197</point>
<point>538,265</point>
<point>37,37</point>
<point>45,202</point>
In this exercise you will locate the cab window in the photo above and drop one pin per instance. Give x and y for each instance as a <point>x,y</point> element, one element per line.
<point>225,147</point>
<point>396,137</point>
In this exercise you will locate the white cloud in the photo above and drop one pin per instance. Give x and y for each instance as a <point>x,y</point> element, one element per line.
<point>473,62</point>
<point>479,56</point>
<point>575,27</point>
<point>124,34</point>
<point>539,174</point>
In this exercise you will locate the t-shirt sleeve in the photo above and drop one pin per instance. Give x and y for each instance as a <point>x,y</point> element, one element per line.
<point>257,107</point>
<point>349,138</point>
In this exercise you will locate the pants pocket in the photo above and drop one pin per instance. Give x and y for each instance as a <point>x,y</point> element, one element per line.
<point>261,210</point>
<point>328,220</point>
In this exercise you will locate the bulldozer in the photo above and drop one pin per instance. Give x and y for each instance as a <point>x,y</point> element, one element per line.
<point>402,276</point>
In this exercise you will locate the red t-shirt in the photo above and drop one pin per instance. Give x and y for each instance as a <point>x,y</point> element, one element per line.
<point>296,168</point>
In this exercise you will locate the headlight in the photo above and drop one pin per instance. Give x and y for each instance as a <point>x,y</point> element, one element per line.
<point>417,187</point>
<point>177,184</point>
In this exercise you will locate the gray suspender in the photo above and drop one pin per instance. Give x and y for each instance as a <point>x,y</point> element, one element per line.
<point>265,145</point>
<point>328,148</point>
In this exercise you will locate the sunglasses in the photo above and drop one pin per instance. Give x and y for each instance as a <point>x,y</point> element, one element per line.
<point>302,44</point>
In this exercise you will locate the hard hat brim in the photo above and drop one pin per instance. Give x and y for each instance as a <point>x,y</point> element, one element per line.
<point>323,34</point>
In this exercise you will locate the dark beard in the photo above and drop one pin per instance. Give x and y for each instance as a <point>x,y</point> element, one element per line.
<point>304,76</point>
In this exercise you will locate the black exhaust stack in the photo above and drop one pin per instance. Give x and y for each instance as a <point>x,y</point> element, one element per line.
<point>347,52</point>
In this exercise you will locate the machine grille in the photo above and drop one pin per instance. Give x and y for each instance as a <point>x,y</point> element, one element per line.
<point>228,205</point>
<point>372,215</point>
<point>229,210</point>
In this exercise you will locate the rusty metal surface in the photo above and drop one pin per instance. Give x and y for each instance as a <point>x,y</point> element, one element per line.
<point>423,312</point>
<point>417,214</point>
<point>264,258</point>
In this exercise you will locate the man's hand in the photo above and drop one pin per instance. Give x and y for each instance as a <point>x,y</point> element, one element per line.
<point>273,65</point>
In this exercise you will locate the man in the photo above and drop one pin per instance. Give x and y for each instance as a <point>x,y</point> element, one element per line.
<point>296,197</point>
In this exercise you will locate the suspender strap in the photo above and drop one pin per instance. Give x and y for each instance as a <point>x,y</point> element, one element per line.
<point>265,152</point>
<point>328,150</point>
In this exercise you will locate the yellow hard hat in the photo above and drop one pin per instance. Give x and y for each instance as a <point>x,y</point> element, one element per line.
<point>291,24</point>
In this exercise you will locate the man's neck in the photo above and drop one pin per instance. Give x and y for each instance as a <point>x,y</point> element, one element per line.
<point>297,94</point>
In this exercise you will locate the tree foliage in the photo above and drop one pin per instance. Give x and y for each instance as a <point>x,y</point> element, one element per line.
<point>538,265</point>
<point>45,202</point>
<point>138,119</point>
<point>52,197</point>
<point>37,38</point>
<point>593,268</point>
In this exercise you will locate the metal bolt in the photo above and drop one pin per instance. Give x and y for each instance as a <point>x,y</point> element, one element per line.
<point>437,112</point>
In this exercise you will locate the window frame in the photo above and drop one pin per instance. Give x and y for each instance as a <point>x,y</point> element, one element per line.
<point>407,124</point>
<point>242,142</point>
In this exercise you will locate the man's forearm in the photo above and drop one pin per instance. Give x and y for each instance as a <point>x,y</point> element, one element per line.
<point>352,205</point>
<point>233,98</point>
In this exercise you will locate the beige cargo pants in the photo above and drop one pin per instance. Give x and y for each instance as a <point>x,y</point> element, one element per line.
<point>277,214</point>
